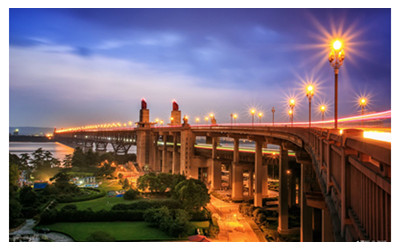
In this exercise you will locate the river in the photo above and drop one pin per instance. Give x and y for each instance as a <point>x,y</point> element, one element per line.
<point>58,150</point>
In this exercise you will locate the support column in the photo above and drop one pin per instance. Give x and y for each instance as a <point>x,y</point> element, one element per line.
<point>283,219</point>
<point>215,167</point>
<point>327,233</point>
<point>230,176</point>
<point>164,155</point>
<point>265,181</point>
<point>305,211</point>
<point>250,182</point>
<point>292,189</point>
<point>259,174</point>
<point>237,180</point>
<point>175,156</point>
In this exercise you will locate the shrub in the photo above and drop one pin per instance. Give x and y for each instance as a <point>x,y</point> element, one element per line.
<point>200,215</point>
<point>261,218</point>
<point>147,204</point>
<point>131,194</point>
<point>174,222</point>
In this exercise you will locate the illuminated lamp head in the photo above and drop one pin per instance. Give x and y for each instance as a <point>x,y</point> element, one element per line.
<point>337,45</point>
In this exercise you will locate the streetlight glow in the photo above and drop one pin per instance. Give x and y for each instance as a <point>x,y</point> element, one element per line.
<point>337,45</point>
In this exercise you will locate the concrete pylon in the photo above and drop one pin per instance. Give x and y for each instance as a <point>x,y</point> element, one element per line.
<point>265,181</point>
<point>175,156</point>
<point>188,140</point>
<point>258,174</point>
<point>215,167</point>
<point>250,182</point>
<point>305,211</point>
<point>283,219</point>
<point>165,160</point>
<point>237,177</point>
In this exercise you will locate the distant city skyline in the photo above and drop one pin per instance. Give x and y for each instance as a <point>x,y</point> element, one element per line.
<point>73,67</point>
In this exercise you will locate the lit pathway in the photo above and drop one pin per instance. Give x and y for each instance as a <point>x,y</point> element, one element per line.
<point>232,225</point>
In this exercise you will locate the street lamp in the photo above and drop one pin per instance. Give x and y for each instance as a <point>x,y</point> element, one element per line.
<point>273,115</point>
<point>322,108</point>
<point>291,116</point>
<point>292,103</point>
<point>336,58</point>
<point>259,116</point>
<point>161,122</point>
<point>206,118</point>
<point>252,111</point>
<point>197,120</point>
<point>235,116</point>
<point>309,94</point>
<point>231,119</point>
<point>363,103</point>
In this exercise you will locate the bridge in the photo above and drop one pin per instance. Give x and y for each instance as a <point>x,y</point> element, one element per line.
<point>343,179</point>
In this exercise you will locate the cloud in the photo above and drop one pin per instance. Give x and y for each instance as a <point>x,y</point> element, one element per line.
<point>108,86</point>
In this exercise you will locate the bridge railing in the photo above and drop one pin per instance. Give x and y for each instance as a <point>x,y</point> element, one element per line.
<point>357,175</point>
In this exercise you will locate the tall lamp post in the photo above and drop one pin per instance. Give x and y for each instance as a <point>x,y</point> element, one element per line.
<point>273,115</point>
<point>322,108</point>
<point>292,103</point>
<point>336,58</point>
<point>197,120</point>
<point>259,116</point>
<point>309,94</point>
<point>252,111</point>
<point>235,117</point>
<point>291,116</point>
<point>363,103</point>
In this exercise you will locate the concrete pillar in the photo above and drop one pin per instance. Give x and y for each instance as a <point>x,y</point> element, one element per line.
<point>292,189</point>
<point>230,176</point>
<point>250,181</point>
<point>237,180</point>
<point>305,211</point>
<point>215,167</point>
<point>327,233</point>
<point>265,181</point>
<point>142,146</point>
<point>187,152</point>
<point>283,219</point>
<point>259,174</point>
<point>164,167</point>
<point>175,156</point>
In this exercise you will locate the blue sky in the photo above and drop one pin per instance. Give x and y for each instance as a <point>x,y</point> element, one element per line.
<point>71,67</point>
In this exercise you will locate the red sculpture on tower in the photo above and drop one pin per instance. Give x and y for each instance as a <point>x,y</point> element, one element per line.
<point>175,106</point>
<point>144,104</point>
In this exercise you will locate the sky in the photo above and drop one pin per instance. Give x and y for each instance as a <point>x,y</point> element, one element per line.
<point>74,67</point>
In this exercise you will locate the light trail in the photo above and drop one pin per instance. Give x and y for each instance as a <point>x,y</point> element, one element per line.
<point>377,133</point>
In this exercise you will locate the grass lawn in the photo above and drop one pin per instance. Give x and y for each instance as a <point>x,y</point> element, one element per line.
<point>121,231</point>
<point>97,204</point>
<point>110,185</point>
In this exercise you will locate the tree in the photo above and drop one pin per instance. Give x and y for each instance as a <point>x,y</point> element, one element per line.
<point>27,196</point>
<point>67,162</point>
<point>131,194</point>
<point>62,185</point>
<point>193,194</point>
<point>126,184</point>
<point>14,174</point>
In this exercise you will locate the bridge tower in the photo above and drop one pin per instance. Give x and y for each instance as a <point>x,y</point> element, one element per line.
<point>175,114</point>
<point>143,137</point>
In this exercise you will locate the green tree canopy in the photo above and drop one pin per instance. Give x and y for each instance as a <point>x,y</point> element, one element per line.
<point>192,193</point>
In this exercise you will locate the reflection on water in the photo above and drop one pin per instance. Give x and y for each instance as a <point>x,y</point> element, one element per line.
<point>57,149</point>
